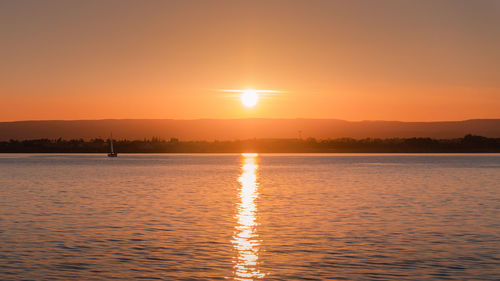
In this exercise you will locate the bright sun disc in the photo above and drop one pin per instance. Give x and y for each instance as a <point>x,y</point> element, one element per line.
<point>249,98</point>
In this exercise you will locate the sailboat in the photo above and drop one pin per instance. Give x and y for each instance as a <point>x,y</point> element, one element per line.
<point>112,153</point>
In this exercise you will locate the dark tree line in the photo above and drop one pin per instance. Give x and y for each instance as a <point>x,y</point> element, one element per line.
<point>467,144</point>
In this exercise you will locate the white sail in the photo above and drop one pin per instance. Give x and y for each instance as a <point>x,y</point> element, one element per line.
<point>111,142</point>
<point>112,152</point>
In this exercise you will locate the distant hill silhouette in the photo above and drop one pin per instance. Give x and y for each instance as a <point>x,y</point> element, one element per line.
<point>232,129</point>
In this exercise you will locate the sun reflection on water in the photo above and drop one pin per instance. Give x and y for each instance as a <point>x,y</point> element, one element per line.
<point>245,239</point>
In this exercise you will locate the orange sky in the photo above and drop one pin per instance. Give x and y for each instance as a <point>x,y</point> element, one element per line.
<point>353,60</point>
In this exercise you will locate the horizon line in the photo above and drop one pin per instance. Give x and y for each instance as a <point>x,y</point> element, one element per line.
<point>249,118</point>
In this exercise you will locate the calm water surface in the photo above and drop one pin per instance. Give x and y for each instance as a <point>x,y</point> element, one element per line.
<point>249,217</point>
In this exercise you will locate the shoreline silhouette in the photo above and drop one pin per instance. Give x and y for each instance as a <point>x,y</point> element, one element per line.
<point>467,144</point>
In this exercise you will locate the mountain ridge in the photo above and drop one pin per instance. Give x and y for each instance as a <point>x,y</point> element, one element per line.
<point>243,128</point>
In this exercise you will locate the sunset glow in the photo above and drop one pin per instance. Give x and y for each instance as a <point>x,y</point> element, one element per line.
<point>249,140</point>
<point>163,55</point>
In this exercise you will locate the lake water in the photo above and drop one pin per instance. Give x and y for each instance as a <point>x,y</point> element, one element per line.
<point>250,217</point>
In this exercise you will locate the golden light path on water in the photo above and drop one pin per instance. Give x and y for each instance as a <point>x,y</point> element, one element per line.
<point>245,239</point>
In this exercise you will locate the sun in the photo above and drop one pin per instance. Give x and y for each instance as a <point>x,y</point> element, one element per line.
<point>249,98</point>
